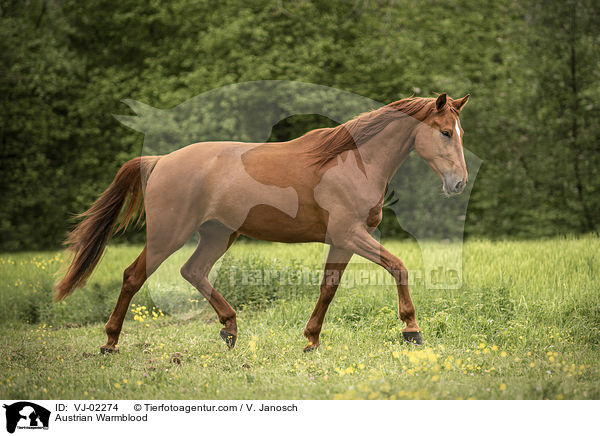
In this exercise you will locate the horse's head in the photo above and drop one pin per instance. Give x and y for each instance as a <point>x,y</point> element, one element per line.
<point>438,141</point>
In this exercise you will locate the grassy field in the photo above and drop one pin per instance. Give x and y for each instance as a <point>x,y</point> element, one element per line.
<point>525,324</point>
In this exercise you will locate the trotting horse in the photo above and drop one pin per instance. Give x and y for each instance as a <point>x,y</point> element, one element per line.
<point>325,186</point>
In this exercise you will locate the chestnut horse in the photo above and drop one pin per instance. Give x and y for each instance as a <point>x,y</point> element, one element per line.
<point>325,186</point>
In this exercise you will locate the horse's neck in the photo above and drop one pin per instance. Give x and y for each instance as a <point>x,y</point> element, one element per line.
<point>383,154</point>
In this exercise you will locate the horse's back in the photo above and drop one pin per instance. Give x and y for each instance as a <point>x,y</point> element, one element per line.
<point>215,181</point>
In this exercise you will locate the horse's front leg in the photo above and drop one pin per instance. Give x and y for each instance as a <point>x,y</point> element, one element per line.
<point>337,259</point>
<point>363,244</point>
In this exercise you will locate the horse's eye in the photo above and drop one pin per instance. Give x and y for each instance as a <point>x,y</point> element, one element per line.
<point>446,133</point>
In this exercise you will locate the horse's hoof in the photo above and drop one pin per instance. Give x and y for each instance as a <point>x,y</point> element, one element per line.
<point>310,348</point>
<point>229,338</point>
<point>108,349</point>
<point>413,337</point>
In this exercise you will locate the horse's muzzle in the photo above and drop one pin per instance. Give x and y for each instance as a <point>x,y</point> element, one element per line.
<point>454,186</point>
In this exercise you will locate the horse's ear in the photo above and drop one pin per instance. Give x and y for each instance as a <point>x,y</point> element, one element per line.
<point>441,101</point>
<point>458,104</point>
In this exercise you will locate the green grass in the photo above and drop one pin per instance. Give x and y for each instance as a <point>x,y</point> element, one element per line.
<point>525,324</point>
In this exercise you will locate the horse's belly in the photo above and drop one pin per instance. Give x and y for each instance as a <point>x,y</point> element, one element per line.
<point>271,224</point>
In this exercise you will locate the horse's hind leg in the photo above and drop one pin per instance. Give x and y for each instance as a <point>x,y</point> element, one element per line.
<point>215,239</point>
<point>133,279</point>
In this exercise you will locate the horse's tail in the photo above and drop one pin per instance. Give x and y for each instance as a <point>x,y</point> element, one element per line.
<point>89,238</point>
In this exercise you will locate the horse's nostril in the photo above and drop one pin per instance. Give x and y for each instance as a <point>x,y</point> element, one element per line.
<point>458,186</point>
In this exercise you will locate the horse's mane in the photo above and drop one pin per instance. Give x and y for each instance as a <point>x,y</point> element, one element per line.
<point>326,144</point>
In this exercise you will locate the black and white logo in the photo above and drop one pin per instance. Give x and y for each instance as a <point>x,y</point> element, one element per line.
<point>26,415</point>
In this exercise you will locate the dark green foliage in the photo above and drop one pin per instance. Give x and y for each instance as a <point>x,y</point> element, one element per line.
<point>531,67</point>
